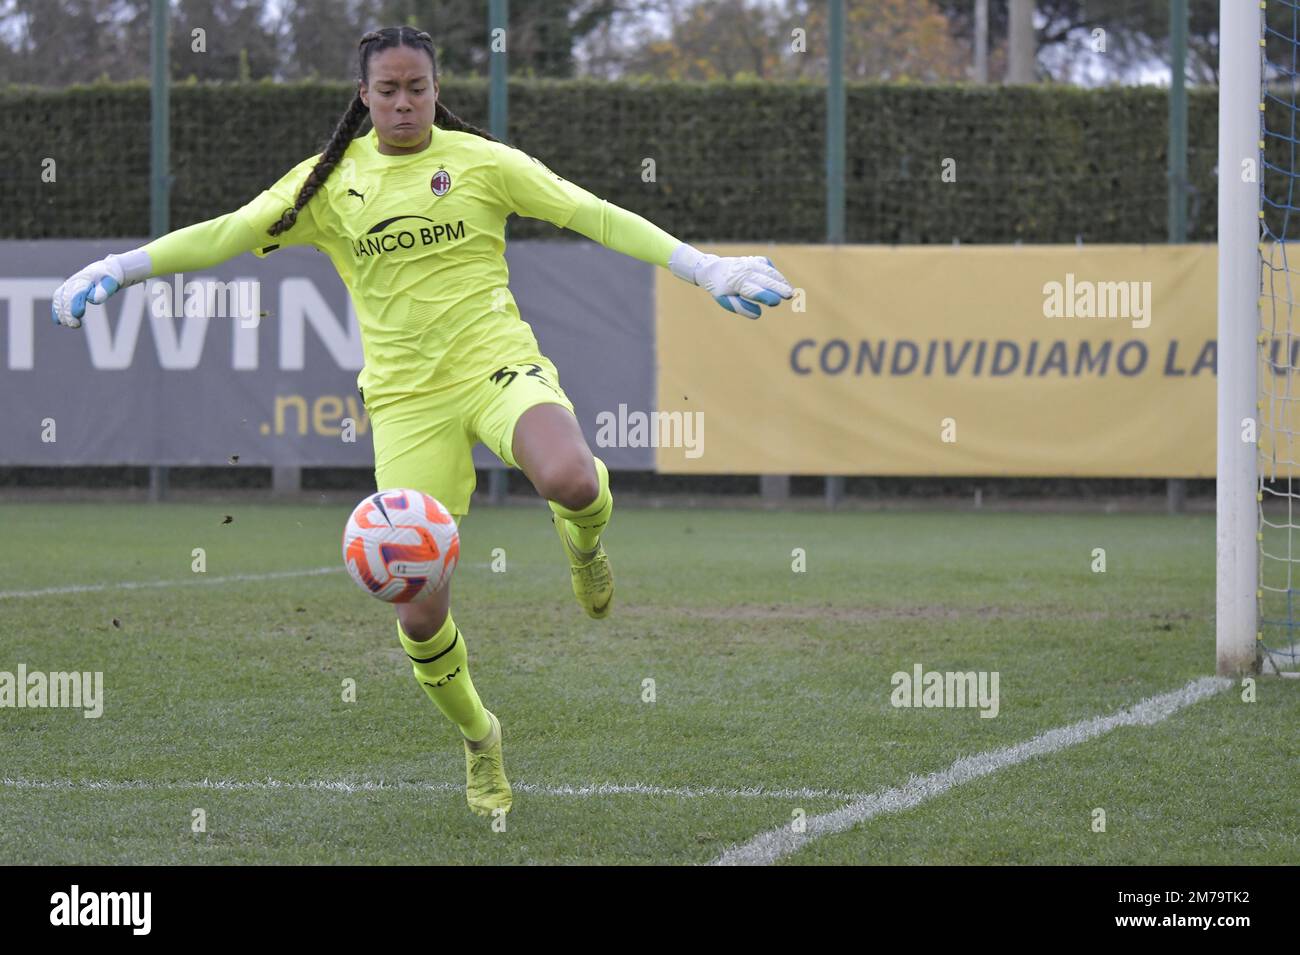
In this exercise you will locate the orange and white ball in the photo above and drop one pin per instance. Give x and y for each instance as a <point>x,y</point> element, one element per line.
<point>401,545</point>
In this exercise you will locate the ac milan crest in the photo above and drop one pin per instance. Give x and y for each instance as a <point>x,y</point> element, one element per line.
<point>440,183</point>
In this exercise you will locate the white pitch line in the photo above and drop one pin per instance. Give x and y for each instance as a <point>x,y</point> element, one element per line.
<point>353,786</point>
<point>147,584</point>
<point>768,847</point>
<point>198,579</point>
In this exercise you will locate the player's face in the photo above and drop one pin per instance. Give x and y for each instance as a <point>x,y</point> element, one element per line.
<point>401,95</point>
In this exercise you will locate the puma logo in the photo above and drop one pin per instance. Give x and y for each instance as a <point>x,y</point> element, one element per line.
<point>353,192</point>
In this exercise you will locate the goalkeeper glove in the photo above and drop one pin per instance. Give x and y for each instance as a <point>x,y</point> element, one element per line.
<point>739,284</point>
<point>95,283</point>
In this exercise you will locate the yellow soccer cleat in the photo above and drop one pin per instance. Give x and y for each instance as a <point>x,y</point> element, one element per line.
<point>486,786</point>
<point>593,583</point>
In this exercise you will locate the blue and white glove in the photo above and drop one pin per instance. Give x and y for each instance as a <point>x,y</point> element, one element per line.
<point>739,284</point>
<point>95,283</point>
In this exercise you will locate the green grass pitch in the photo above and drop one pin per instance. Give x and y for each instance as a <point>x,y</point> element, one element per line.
<point>772,692</point>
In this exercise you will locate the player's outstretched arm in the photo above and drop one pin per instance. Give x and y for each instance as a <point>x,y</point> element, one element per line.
<point>740,284</point>
<point>196,247</point>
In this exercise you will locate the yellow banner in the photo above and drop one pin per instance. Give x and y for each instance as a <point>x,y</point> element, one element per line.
<point>974,360</point>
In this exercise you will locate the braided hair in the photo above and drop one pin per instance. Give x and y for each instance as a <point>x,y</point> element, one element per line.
<point>357,111</point>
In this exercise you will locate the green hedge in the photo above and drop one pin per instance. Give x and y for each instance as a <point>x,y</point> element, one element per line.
<point>735,161</point>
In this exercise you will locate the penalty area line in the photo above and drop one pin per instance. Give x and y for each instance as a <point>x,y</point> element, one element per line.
<point>768,847</point>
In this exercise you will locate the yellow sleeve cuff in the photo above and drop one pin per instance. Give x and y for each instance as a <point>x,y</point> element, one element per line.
<point>623,231</point>
<point>203,245</point>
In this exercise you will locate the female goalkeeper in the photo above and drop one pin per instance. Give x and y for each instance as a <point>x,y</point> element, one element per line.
<point>412,215</point>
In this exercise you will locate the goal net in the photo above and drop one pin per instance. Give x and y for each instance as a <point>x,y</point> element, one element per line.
<point>1277,481</point>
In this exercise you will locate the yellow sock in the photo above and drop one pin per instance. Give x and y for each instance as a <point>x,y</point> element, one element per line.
<point>585,526</point>
<point>441,665</point>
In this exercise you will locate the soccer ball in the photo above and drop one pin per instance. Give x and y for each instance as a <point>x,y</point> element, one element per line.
<point>400,545</point>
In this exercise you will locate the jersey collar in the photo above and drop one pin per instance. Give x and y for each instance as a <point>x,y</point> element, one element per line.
<point>372,144</point>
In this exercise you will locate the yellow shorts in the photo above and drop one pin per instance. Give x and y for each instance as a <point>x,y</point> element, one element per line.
<point>424,441</point>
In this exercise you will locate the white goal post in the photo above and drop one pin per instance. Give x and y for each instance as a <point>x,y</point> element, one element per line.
<point>1236,487</point>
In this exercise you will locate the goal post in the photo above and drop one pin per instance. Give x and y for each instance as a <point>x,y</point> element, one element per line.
<point>1237,552</point>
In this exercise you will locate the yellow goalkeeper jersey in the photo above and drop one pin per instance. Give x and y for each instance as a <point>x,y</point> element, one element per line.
<point>419,242</point>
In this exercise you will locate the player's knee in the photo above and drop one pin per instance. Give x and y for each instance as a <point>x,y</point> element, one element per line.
<point>583,487</point>
<point>571,483</point>
<point>420,622</point>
